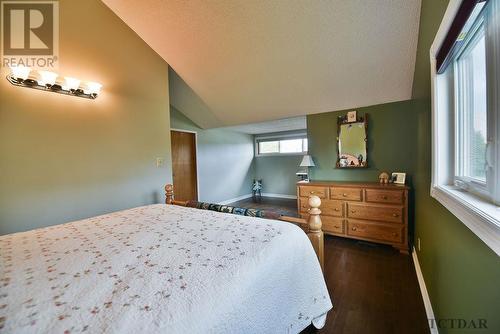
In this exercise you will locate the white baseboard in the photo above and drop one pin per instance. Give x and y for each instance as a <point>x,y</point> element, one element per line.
<point>425,295</point>
<point>279,195</point>
<point>236,199</point>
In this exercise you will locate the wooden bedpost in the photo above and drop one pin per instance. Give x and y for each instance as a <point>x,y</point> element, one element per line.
<point>169,194</point>
<point>315,233</point>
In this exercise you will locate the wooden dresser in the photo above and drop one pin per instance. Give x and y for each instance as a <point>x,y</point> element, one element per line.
<point>365,211</point>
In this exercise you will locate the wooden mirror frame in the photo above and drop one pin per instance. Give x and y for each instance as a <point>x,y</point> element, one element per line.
<point>359,119</point>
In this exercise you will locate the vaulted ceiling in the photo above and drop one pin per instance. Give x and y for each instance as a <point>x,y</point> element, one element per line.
<point>279,125</point>
<point>252,61</point>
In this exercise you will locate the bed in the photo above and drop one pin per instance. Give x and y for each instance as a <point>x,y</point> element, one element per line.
<point>161,269</point>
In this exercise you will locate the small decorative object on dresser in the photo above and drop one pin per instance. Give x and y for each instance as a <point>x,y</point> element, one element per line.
<point>383,178</point>
<point>398,178</point>
<point>360,210</point>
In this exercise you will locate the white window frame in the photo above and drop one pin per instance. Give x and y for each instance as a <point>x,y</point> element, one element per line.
<point>468,183</point>
<point>481,216</point>
<point>301,135</point>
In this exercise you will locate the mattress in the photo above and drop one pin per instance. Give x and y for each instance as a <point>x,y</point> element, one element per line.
<point>161,269</point>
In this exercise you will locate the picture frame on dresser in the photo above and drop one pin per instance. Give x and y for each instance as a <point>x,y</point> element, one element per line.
<point>367,211</point>
<point>398,178</point>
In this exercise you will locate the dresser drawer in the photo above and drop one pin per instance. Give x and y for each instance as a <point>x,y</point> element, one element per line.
<point>306,191</point>
<point>332,208</point>
<point>347,194</point>
<point>391,214</point>
<point>333,225</point>
<point>384,196</point>
<point>376,231</point>
<point>303,205</point>
<point>328,207</point>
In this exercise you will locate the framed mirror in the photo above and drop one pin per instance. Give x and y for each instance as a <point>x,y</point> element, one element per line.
<point>352,142</point>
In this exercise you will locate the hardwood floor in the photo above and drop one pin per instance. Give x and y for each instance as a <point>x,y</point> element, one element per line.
<point>373,287</point>
<point>286,207</point>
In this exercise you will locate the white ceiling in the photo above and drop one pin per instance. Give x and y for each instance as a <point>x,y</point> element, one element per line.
<point>252,61</point>
<point>280,125</point>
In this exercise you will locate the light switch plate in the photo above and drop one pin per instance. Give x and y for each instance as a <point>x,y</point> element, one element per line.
<point>160,162</point>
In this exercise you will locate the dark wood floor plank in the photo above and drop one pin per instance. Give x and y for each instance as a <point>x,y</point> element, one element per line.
<point>284,206</point>
<point>373,287</point>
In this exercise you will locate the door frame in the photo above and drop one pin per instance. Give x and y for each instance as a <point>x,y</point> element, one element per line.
<point>196,152</point>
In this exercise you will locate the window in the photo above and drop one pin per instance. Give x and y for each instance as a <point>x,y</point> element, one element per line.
<point>466,117</point>
<point>296,144</point>
<point>266,147</point>
<point>471,113</point>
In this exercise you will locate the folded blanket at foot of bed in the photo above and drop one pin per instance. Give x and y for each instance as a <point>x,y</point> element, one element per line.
<point>234,210</point>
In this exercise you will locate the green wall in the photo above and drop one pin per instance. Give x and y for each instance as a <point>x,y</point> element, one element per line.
<point>225,160</point>
<point>461,273</point>
<point>278,173</point>
<point>64,158</point>
<point>392,142</point>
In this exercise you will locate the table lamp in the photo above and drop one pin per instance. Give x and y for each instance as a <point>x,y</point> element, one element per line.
<point>306,162</point>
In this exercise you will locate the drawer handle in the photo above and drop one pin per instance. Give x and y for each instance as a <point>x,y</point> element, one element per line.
<point>394,234</point>
<point>311,192</point>
<point>336,209</point>
<point>354,228</point>
<point>384,197</point>
<point>395,215</point>
<point>344,194</point>
<point>353,211</point>
<point>336,226</point>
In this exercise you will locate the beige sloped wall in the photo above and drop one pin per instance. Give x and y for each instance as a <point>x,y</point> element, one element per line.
<point>64,158</point>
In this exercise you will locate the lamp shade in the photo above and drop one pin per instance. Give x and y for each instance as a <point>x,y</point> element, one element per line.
<point>20,72</point>
<point>47,78</point>
<point>92,88</point>
<point>307,161</point>
<point>71,83</point>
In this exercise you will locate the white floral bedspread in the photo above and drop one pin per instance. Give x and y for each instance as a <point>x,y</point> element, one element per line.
<point>161,269</point>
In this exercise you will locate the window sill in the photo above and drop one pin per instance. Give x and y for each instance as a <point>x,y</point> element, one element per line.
<point>280,154</point>
<point>480,216</point>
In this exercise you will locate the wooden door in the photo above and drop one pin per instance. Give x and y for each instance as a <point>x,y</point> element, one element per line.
<point>184,165</point>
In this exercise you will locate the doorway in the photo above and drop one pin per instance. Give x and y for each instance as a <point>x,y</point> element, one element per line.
<point>184,169</point>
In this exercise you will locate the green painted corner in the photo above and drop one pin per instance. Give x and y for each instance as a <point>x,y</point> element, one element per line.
<point>391,142</point>
<point>278,173</point>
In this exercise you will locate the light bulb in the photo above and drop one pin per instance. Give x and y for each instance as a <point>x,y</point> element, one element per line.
<point>47,78</point>
<point>71,83</point>
<point>20,72</point>
<point>92,88</point>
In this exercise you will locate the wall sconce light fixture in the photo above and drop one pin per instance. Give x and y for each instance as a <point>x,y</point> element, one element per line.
<point>47,78</point>
<point>23,76</point>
